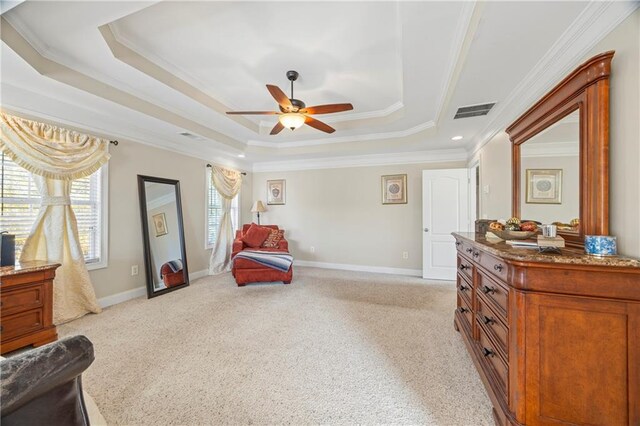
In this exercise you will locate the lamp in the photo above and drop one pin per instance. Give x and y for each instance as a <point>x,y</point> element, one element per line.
<point>291,120</point>
<point>258,208</point>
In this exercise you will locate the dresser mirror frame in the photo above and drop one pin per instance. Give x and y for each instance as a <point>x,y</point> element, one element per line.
<point>585,89</point>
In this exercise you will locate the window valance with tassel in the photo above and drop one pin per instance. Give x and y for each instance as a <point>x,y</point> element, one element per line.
<point>51,151</point>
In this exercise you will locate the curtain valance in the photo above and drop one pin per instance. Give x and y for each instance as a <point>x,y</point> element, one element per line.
<point>51,151</point>
<point>226,181</point>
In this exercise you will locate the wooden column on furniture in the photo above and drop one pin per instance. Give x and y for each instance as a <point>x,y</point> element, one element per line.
<point>26,300</point>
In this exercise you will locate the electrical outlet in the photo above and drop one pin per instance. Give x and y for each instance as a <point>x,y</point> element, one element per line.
<point>486,189</point>
<point>134,270</point>
<point>405,254</point>
<point>312,249</point>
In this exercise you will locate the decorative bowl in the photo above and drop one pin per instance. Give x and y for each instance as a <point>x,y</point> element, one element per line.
<point>513,235</point>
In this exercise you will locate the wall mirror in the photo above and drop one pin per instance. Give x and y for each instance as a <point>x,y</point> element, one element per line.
<point>163,235</point>
<point>560,155</point>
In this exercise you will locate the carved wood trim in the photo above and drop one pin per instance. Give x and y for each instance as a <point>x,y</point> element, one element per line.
<point>586,89</point>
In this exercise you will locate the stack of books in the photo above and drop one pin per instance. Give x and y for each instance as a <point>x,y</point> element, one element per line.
<point>557,242</point>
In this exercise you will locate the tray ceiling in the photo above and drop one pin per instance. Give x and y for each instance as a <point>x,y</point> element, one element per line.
<point>149,71</point>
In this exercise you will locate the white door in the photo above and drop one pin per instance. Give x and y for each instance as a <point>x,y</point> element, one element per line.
<point>445,209</point>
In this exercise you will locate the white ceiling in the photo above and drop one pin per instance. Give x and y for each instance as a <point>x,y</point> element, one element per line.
<point>148,71</point>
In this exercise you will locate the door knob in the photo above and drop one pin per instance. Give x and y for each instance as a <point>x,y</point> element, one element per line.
<point>426,229</point>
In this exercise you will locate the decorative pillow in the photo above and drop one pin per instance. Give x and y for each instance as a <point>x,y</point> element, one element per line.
<point>274,238</point>
<point>256,235</point>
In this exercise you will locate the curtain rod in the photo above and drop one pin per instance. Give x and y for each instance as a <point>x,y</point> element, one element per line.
<point>242,173</point>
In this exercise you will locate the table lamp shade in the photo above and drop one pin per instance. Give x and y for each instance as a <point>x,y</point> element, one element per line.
<point>258,207</point>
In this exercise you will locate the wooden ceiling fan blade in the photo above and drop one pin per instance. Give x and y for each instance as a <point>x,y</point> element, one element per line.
<point>317,124</point>
<point>277,128</point>
<point>327,109</point>
<point>252,112</point>
<point>280,97</point>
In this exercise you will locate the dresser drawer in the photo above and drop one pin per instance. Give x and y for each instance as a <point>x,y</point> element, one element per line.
<point>465,267</point>
<point>465,288</point>
<point>493,265</point>
<point>493,326</point>
<point>21,323</point>
<point>496,294</point>
<point>21,299</point>
<point>493,363</point>
<point>464,311</point>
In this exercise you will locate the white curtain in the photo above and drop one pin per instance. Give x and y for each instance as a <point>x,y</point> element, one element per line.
<point>56,156</point>
<point>227,183</point>
<point>54,238</point>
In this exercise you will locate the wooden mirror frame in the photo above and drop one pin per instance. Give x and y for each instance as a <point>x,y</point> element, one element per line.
<point>586,89</point>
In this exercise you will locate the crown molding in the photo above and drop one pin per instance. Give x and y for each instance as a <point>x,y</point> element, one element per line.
<point>188,150</point>
<point>550,149</point>
<point>420,157</point>
<point>596,21</point>
<point>343,139</point>
<point>161,201</point>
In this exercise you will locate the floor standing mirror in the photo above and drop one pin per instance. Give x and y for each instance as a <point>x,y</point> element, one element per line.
<point>163,235</point>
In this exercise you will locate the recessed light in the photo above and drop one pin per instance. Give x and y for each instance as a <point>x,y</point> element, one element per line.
<point>456,138</point>
<point>241,155</point>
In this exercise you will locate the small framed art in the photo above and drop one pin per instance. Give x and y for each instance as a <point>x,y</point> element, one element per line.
<point>544,186</point>
<point>160,224</point>
<point>276,191</point>
<point>394,189</point>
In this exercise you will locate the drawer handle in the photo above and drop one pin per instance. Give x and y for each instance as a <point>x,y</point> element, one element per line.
<point>458,243</point>
<point>488,290</point>
<point>488,352</point>
<point>487,320</point>
<point>464,288</point>
<point>463,266</point>
<point>469,250</point>
<point>476,254</point>
<point>498,267</point>
<point>463,310</point>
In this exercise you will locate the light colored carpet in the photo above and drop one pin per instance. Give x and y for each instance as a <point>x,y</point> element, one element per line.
<point>333,347</point>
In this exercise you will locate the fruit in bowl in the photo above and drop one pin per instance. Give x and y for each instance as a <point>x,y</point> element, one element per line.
<point>529,226</point>
<point>513,235</point>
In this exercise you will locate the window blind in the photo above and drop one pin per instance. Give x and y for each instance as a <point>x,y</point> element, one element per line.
<point>214,212</point>
<point>20,203</point>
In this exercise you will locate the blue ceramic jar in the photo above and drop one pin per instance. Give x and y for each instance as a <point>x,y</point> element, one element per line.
<point>600,245</point>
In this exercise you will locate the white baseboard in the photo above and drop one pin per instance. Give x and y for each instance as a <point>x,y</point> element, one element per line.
<point>360,268</point>
<point>114,299</point>
<point>198,274</point>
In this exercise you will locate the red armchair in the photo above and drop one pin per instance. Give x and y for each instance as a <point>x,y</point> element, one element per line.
<point>170,278</point>
<point>247,271</point>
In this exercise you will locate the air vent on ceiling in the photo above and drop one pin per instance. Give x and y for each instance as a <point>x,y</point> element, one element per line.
<point>473,110</point>
<point>190,135</point>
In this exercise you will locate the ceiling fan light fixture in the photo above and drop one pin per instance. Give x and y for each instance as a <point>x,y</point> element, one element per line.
<point>292,120</point>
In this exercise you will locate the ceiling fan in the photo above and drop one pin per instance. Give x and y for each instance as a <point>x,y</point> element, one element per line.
<point>293,112</point>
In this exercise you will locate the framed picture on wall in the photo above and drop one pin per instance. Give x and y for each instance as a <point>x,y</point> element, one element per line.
<point>394,189</point>
<point>544,186</point>
<point>276,191</point>
<point>160,224</point>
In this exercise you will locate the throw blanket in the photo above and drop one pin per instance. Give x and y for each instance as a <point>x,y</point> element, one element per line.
<point>275,260</point>
<point>175,265</point>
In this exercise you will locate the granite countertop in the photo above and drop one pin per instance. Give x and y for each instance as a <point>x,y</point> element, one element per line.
<point>26,267</point>
<point>566,255</point>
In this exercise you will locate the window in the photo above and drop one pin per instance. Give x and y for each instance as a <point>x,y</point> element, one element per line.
<point>214,212</point>
<point>20,202</point>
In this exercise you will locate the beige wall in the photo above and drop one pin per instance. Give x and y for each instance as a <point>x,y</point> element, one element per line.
<point>128,160</point>
<point>495,178</point>
<point>624,143</point>
<point>339,212</point>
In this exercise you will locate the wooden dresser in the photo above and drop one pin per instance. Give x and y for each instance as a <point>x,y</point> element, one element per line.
<point>554,337</point>
<point>26,295</point>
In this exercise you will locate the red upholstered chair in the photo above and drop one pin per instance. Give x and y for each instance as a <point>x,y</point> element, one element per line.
<point>171,278</point>
<point>247,271</point>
